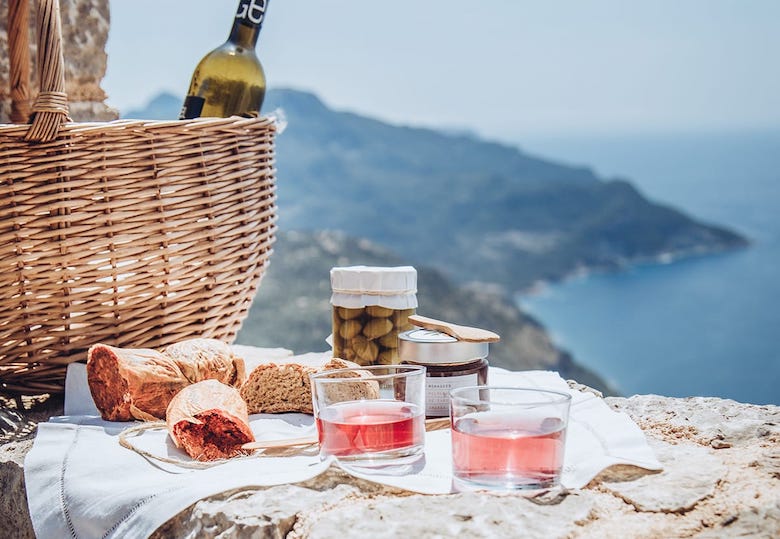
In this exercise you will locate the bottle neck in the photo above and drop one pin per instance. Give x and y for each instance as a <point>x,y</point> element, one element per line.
<point>249,19</point>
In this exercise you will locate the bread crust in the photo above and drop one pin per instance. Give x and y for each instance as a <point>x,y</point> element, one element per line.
<point>209,420</point>
<point>133,383</point>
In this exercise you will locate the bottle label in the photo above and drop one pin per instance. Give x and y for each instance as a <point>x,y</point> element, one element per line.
<point>437,392</point>
<point>251,12</point>
<point>193,107</point>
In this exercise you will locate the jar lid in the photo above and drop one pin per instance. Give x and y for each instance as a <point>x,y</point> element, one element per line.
<point>361,286</point>
<point>429,346</point>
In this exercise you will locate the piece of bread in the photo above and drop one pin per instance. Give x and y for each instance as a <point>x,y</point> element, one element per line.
<point>207,359</point>
<point>360,389</point>
<point>132,383</point>
<point>284,385</point>
<point>209,420</point>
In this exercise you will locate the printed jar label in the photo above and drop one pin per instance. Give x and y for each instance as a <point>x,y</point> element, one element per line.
<point>437,392</point>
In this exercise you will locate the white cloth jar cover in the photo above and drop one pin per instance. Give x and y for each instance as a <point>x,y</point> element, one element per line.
<point>362,286</point>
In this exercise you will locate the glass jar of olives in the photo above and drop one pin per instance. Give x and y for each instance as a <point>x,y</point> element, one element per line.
<point>371,306</point>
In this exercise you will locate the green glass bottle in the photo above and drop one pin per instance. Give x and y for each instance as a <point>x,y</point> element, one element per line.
<point>230,79</point>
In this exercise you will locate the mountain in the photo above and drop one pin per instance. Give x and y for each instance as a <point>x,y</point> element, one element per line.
<point>478,219</point>
<point>162,107</point>
<point>476,210</point>
<point>292,309</point>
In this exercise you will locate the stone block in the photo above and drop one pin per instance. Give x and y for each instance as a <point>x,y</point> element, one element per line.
<point>85,25</point>
<point>727,489</point>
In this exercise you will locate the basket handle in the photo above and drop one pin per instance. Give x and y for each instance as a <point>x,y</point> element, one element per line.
<point>19,60</point>
<point>50,109</point>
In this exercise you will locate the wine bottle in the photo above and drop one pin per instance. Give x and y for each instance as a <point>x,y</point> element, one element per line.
<point>230,79</point>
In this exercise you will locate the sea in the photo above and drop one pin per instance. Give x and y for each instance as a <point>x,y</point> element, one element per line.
<point>704,326</point>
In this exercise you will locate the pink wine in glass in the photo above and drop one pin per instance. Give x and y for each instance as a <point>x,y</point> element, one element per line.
<point>501,450</point>
<point>369,426</point>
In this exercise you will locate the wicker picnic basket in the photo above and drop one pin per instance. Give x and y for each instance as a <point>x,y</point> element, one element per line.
<point>132,233</point>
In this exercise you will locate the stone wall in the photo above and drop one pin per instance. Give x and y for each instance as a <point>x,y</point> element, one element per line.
<point>721,479</point>
<point>85,25</point>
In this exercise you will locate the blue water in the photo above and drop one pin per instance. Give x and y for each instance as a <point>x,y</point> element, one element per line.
<point>706,326</point>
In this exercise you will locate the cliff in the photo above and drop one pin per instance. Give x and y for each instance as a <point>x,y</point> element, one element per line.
<point>721,479</point>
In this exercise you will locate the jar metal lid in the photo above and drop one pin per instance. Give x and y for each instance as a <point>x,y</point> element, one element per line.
<point>428,346</point>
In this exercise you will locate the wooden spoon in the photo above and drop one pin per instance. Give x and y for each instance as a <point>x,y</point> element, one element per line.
<point>462,333</point>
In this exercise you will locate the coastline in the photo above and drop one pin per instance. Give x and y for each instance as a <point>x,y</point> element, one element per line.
<point>698,327</point>
<point>664,258</point>
<point>568,356</point>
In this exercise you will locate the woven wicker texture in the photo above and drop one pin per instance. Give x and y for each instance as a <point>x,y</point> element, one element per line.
<point>19,51</point>
<point>131,233</point>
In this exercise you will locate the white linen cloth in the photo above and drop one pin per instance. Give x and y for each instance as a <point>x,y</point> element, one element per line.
<point>81,483</point>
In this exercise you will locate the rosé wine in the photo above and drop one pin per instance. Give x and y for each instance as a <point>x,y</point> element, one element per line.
<point>493,448</point>
<point>369,426</point>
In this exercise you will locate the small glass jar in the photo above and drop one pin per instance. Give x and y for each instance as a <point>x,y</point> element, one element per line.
<point>449,364</point>
<point>371,306</point>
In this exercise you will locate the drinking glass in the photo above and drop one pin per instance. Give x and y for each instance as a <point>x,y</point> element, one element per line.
<point>506,438</point>
<point>371,417</point>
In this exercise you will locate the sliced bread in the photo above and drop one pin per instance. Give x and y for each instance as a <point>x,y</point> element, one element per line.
<point>283,385</point>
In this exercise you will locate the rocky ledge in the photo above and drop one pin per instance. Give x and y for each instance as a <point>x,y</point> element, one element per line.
<point>721,478</point>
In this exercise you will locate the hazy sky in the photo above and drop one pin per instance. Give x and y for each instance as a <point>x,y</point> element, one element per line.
<point>503,68</point>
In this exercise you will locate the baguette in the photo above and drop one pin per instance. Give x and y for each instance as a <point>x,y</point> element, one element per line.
<point>209,421</point>
<point>134,383</point>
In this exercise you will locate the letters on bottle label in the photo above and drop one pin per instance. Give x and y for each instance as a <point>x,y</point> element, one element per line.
<point>192,108</point>
<point>251,11</point>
